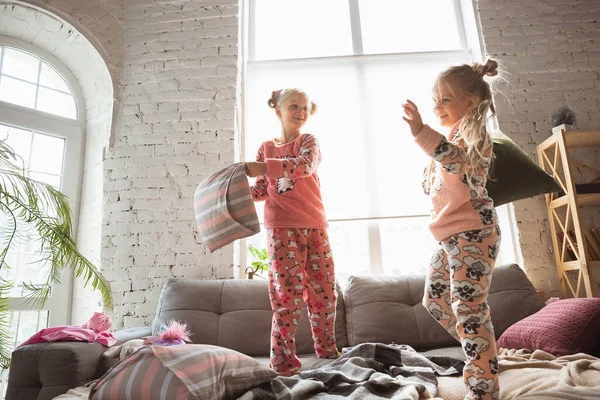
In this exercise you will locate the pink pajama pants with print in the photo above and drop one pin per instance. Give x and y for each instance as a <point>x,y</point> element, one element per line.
<point>456,296</point>
<point>300,268</point>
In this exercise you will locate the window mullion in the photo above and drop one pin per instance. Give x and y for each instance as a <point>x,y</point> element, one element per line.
<point>1,60</point>
<point>373,234</point>
<point>460,24</point>
<point>28,118</point>
<point>37,323</point>
<point>375,250</point>
<point>379,218</point>
<point>37,84</point>
<point>382,57</point>
<point>355,27</point>
<point>251,31</point>
<point>18,79</point>
<point>28,168</point>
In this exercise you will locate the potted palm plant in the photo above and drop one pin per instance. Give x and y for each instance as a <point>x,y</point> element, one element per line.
<point>41,210</point>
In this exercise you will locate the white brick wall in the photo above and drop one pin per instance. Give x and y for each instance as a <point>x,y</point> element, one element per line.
<point>176,63</point>
<point>98,20</point>
<point>92,55</point>
<point>175,126</point>
<point>551,48</point>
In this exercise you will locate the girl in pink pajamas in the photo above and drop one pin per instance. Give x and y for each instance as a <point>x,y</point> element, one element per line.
<point>464,220</point>
<point>300,259</point>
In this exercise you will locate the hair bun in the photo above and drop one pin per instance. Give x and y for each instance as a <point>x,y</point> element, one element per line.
<point>490,68</point>
<point>272,102</point>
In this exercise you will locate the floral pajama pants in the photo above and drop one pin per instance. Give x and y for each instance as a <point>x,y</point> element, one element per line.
<point>300,268</point>
<point>456,296</point>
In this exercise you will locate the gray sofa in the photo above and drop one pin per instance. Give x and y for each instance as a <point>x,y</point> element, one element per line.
<point>236,314</point>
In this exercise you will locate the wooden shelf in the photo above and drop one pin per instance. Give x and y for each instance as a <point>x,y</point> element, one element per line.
<point>573,138</point>
<point>583,200</point>
<point>588,199</point>
<point>578,139</point>
<point>554,155</point>
<point>574,265</point>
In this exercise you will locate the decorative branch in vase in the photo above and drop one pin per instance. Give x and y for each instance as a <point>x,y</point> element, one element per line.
<point>261,262</point>
<point>564,116</point>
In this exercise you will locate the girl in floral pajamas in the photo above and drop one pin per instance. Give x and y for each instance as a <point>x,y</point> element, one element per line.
<point>300,259</point>
<point>464,220</point>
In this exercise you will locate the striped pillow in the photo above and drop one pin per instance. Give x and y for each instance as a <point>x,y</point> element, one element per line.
<point>224,208</point>
<point>191,371</point>
<point>140,376</point>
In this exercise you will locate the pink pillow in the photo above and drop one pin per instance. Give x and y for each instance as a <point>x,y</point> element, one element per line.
<point>562,327</point>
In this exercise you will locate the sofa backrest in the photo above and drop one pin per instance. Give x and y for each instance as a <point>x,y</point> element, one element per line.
<point>512,297</point>
<point>388,309</point>
<point>236,313</point>
<point>233,313</point>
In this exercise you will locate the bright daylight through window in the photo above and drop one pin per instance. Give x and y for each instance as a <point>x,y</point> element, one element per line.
<point>359,63</point>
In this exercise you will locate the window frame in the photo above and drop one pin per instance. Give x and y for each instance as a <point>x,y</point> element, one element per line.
<point>73,132</point>
<point>471,48</point>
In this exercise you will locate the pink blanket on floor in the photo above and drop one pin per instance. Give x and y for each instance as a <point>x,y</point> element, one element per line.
<point>97,329</point>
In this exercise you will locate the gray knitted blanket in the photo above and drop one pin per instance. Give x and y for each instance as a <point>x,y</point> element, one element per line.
<point>367,371</point>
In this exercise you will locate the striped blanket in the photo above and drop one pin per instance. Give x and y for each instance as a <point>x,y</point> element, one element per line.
<point>366,371</point>
<point>224,208</point>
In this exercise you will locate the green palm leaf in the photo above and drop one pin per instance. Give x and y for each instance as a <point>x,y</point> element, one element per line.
<point>32,210</point>
<point>5,344</point>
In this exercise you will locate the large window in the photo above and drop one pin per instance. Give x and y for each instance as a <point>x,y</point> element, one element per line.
<point>40,120</point>
<point>359,60</point>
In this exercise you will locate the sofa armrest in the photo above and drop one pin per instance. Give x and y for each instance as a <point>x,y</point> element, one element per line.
<point>42,371</point>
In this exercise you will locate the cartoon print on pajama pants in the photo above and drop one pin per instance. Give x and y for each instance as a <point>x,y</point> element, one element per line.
<point>300,268</point>
<point>456,291</point>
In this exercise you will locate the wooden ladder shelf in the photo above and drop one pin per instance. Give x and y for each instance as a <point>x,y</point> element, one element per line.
<point>564,210</point>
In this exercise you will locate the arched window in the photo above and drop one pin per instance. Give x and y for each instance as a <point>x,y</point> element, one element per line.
<point>42,118</point>
<point>29,81</point>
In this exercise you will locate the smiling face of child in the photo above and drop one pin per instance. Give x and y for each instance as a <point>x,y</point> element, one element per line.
<point>294,112</point>
<point>449,106</point>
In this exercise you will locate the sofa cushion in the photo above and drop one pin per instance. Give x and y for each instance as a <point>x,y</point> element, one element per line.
<point>512,297</point>
<point>561,328</point>
<point>388,309</point>
<point>385,309</point>
<point>182,372</point>
<point>233,313</point>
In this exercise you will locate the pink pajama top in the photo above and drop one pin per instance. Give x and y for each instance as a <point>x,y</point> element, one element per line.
<point>456,207</point>
<point>291,187</point>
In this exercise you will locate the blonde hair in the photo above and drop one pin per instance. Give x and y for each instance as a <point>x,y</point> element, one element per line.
<point>467,81</point>
<point>279,97</point>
